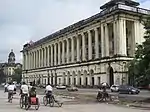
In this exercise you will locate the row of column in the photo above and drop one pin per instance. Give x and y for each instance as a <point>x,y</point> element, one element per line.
<point>79,47</point>
<point>60,53</point>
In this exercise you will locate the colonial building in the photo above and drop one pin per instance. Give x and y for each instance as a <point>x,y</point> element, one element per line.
<point>9,67</point>
<point>89,52</point>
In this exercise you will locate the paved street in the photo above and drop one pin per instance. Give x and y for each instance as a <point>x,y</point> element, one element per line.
<point>7,107</point>
<point>142,94</point>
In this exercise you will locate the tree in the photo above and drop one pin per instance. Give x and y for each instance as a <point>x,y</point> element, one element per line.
<point>139,67</point>
<point>2,75</point>
<point>17,75</point>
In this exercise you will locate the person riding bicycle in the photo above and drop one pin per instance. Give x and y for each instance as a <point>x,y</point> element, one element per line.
<point>104,87</point>
<point>10,89</point>
<point>48,90</point>
<point>24,90</point>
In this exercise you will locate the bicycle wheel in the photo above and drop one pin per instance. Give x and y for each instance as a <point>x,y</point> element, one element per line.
<point>51,102</point>
<point>27,104</point>
<point>37,106</point>
<point>21,103</point>
<point>45,102</point>
<point>10,100</point>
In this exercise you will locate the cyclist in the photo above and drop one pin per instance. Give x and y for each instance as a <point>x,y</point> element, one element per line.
<point>10,89</point>
<point>48,90</point>
<point>24,90</point>
<point>104,87</point>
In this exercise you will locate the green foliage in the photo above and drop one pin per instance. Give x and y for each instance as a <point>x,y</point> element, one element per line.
<point>17,75</point>
<point>139,67</point>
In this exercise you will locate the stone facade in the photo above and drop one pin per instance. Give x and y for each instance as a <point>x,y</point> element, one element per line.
<point>89,52</point>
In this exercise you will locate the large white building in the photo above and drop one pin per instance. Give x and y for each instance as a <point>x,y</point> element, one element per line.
<point>89,52</point>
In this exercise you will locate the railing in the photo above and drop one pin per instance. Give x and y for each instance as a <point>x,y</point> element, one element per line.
<point>125,7</point>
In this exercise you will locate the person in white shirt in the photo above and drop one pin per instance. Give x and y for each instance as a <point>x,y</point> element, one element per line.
<point>24,88</point>
<point>10,89</point>
<point>48,90</point>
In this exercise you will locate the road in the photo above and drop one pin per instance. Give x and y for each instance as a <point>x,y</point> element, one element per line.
<point>143,93</point>
<point>14,107</point>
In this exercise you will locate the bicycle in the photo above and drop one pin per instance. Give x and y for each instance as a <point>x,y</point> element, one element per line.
<point>51,100</point>
<point>103,96</point>
<point>23,100</point>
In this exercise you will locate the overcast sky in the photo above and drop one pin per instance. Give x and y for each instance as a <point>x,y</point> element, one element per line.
<point>25,20</point>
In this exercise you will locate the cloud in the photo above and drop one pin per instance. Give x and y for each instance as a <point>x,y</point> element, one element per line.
<point>23,20</point>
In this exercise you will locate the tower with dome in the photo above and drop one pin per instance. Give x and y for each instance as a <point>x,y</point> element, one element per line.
<point>9,67</point>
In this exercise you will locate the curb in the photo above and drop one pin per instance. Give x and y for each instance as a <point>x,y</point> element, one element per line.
<point>138,106</point>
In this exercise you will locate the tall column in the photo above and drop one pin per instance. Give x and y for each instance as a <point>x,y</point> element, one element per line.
<point>52,55</point>
<point>83,47</point>
<point>39,58</point>
<point>38,54</point>
<point>25,61</point>
<point>45,57</point>
<point>115,37</point>
<point>55,57</point>
<point>106,41</point>
<point>31,60</point>
<point>121,37</point>
<point>48,56</point>
<point>63,52</point>
<point>89,45</point>
<point>72,49</point>
<point>78,49</point>
<point>102,41</point>
<point>42,57</point>
<point>34,59</point>
<point>67,50</point>
<point>137,33</point>
<point>96,43</point>
<point>29,64</point>
<point>59,54</point>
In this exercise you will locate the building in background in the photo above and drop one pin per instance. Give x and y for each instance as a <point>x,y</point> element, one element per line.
<point>89,52</point>
<point>9,67</point>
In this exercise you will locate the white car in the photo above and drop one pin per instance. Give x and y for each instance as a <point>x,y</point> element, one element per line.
<point>72,88</point>
<point>114,88</point>
<point>60,87</point>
